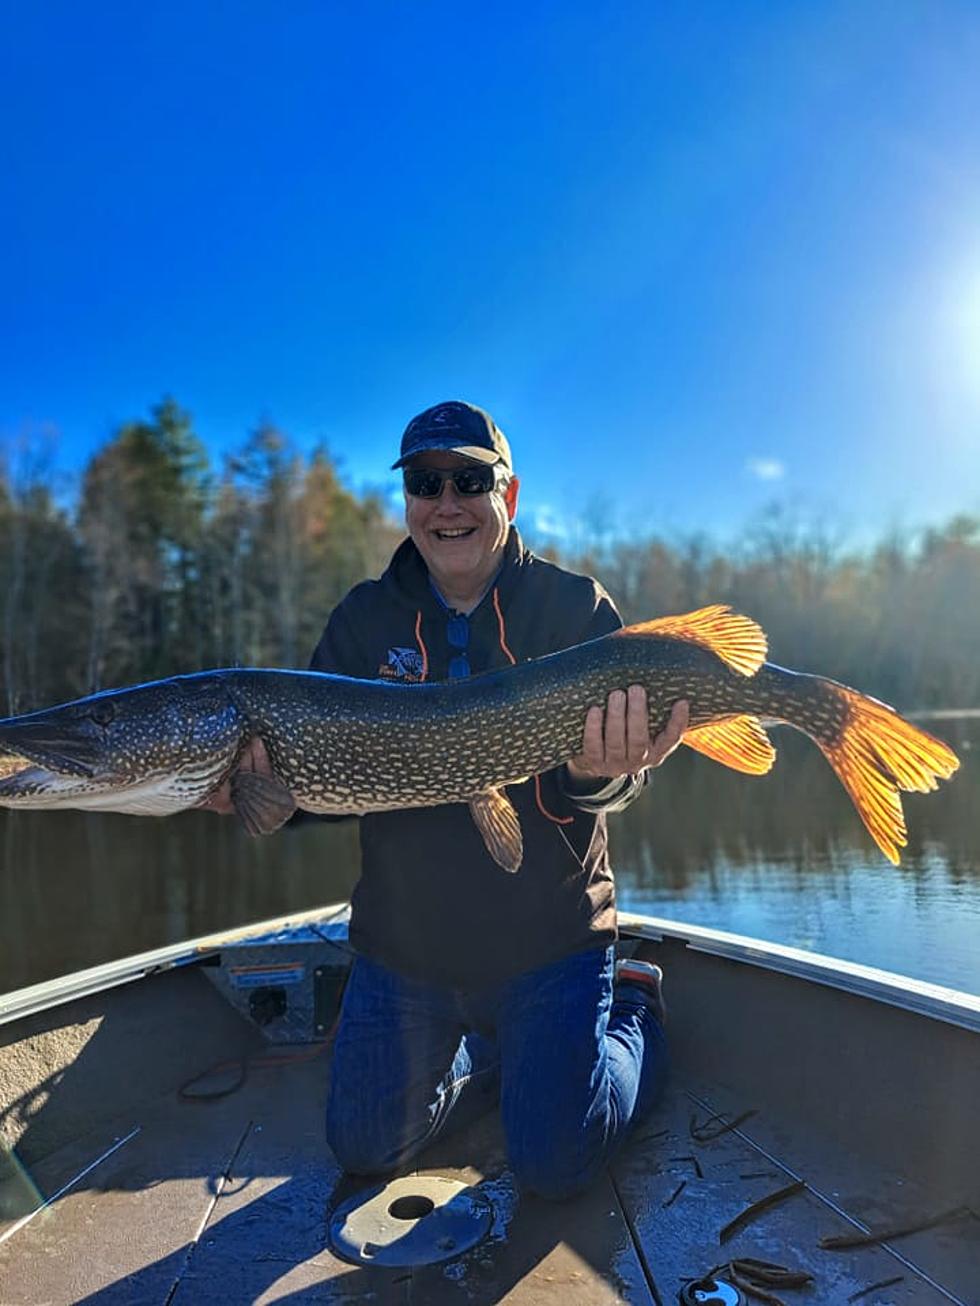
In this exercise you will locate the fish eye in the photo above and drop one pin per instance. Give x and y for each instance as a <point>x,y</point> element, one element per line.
<point>103,714</point>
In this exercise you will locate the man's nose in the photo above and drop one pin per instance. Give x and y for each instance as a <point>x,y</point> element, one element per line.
<point>450,499</point>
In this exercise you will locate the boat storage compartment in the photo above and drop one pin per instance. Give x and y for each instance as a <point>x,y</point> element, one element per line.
<point>290,986</point>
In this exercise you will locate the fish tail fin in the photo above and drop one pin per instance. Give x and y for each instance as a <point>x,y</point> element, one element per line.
<point>737,640</point>
<point>876,753</point>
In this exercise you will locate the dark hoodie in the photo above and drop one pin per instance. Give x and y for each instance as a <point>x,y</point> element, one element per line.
<point>431,903</point>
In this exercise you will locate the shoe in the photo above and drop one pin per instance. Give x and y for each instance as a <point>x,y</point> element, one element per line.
<point>647,976</point>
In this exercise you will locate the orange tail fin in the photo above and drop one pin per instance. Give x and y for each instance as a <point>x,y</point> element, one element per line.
<point>879,753</point>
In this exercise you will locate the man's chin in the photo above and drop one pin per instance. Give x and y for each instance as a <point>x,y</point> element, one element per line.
<point>460,555</point>
<point>455,567</point>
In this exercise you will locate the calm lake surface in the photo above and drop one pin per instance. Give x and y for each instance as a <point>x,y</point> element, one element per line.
<point>782,858</point>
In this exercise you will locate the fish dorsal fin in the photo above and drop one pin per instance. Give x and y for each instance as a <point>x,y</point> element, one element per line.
<point>500,826</point>
<point>740,742</point>
<point>737,640</point>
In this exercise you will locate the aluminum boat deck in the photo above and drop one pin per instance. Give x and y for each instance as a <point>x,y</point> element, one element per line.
<point>152,1198</point>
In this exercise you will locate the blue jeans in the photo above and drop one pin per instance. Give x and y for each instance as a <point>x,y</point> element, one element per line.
<point>574,1067</point>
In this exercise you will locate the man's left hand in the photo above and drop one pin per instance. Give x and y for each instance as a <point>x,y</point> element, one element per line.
<point>617,740</point>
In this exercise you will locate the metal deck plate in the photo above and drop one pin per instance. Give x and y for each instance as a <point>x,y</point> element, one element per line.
<point>417,1220</point>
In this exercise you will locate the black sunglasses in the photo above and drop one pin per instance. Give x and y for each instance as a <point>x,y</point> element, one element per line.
<point>427,482</point>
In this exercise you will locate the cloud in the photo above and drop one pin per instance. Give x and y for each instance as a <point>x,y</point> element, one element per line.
<point>547,520</point>
<point>766,469</point>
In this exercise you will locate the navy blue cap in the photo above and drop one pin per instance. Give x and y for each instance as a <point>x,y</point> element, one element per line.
<point>455,427</point>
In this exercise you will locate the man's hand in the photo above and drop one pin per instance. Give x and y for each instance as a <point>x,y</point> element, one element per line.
<point>254,758</point>
<point>617,741</point>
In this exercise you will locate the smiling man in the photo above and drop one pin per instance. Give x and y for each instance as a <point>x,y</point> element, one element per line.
<point>469,981</point>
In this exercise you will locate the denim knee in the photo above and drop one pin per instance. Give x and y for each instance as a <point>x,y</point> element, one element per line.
<point>556,1176</point>
<point>356,1143</point>
<point>358,1156</point>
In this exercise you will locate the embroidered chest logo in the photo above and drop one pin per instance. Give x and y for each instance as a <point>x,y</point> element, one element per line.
<point>401,664</point>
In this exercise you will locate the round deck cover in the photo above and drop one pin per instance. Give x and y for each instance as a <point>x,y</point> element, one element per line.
<point>417,1220</point>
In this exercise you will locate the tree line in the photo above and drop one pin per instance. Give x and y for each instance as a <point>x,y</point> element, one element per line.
<point>161,562</point>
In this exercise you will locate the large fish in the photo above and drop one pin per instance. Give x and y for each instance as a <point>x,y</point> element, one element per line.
<point>351,746</point>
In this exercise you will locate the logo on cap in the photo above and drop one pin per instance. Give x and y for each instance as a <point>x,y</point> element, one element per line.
<point>457,426</point>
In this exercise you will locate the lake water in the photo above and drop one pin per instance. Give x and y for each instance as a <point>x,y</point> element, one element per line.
<point>782,858</point>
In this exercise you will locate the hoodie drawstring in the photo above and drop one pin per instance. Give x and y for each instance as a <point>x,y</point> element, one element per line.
<point>502,628</point>
<point>421,643</point>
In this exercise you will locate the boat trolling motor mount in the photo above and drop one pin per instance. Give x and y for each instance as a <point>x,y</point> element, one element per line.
<point>711,1292</point>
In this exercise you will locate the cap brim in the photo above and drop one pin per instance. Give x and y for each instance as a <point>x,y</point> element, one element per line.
<point>474,452</point>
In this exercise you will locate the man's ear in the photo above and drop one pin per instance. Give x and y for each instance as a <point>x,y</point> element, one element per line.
<point>510,497</point>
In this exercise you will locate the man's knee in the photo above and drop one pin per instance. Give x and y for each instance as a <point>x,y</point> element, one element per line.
<point>361,1147</point>
<point>556,1175</point>
<point>371,1134</point>
<point>357,1141</point>
<point>358,1155</point>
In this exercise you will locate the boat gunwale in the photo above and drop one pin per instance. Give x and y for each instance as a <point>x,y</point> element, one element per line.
<point>96,979</point>
<point>919,997</point>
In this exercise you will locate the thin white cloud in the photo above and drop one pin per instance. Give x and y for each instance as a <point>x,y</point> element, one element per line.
<point>766,469</point>
<point>547,520</point>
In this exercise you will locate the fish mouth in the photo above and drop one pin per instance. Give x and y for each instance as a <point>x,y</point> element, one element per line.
<point>24,781</point>
<point>63,747</point>
<point>48,757</point>
<point>28,785</point>
<point>65,771</point>
<point>12,764</point>
<point>43,764</point>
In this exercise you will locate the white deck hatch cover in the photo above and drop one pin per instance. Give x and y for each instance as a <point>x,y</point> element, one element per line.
<point>417,1220</point>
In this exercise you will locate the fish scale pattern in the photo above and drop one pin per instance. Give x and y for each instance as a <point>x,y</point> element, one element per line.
<point>340,745</point>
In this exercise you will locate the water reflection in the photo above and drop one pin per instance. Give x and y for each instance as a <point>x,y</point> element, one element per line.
<point>78,890</point>
<point>783,857</point>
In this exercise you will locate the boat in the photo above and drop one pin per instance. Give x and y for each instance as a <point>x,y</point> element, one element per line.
<point>161,1141</point>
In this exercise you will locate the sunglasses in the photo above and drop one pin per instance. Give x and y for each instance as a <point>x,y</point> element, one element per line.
<point>427,482</point>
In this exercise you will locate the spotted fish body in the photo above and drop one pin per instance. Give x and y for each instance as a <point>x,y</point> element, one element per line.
<point>340,745</point>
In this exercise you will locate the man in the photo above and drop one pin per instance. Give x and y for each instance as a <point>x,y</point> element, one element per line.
<point>470,981</point>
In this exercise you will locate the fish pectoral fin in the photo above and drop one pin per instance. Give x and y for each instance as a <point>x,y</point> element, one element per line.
<point>263,802</point>
<point>500,826</point>
<point>739,742</point>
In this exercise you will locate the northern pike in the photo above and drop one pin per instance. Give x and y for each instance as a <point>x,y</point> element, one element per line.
<point>342,745</point>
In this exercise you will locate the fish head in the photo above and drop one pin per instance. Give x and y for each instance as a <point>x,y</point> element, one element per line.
<point>152,748</point>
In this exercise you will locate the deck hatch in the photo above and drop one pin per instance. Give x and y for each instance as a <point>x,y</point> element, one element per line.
<point>416,1220</point>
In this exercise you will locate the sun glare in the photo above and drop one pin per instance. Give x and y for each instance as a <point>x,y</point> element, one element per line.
<point>963,331</point>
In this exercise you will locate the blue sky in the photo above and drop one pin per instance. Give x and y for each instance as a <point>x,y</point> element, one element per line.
<point>693,257</point>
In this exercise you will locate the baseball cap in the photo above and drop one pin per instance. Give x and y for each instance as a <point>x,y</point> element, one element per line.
<point>455,427</point>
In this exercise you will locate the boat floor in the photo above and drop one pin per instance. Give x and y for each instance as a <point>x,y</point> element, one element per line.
<point>227,1201</point>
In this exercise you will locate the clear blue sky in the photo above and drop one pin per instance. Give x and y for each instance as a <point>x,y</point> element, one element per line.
<point>693,257</point>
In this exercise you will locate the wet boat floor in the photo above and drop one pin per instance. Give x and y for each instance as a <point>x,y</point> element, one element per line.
<point>227,1201</point>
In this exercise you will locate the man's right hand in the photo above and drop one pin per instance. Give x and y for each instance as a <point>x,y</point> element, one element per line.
<point>254,758</point>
